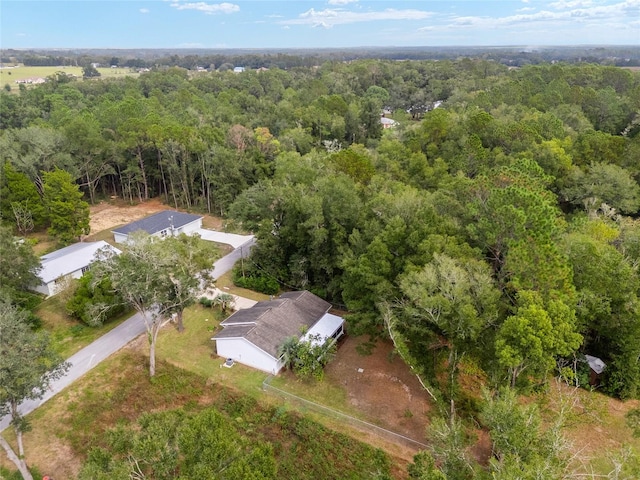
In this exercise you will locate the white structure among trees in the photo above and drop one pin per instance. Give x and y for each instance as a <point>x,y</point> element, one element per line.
<point>67,263</point>
<point>253,336</point>
<point>168,223</point>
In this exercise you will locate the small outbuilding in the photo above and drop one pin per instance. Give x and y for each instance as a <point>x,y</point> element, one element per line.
<point>162,224</point>
<point>67,263</point>
<point>596,367</point>
<point>253,336</point>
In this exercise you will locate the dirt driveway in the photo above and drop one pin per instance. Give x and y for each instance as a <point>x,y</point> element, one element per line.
<point>381,385</point>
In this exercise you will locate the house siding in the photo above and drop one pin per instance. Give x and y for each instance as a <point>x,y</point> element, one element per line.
<point>248,354</point>
<point>190,228</point>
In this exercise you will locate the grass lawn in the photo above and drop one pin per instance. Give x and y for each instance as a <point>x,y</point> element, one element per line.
<point>67,334</point>
<point>104,235</point>
<point>194,351</point>
<point>225,283</point>
<point>8,76</point>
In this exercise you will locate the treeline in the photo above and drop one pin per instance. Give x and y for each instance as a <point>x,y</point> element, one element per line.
<point>620,55</point>
<point>497,230</point>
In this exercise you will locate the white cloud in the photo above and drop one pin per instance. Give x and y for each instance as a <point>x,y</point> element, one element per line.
<point>330,17</point>
<point>619,13</point>
<point>144,10</point>
<point>526,9</point>
<point>208,8</point>
<point>567,4</point>
<point>341,2</point>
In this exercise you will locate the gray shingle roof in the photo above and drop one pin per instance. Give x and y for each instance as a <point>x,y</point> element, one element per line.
<point>268,324</point>
<point>158,222</point>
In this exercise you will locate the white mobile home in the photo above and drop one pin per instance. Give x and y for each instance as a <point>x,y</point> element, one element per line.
<point>67,263</point>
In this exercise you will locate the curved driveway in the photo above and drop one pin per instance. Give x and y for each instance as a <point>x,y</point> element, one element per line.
<point>111,342</point>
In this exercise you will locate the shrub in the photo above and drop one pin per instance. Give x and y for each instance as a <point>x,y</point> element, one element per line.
<point>258,283</point>
<point>95,304</point>
<point>205,302</point>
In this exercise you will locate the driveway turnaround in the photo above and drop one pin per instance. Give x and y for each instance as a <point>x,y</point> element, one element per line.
<point>221,237</point>
<point>111,342</point>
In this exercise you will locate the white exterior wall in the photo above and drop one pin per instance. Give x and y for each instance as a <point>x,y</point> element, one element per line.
<point>190,228</point>
<point>44,288</point>
<point>120,237</point>
<point>243,351</point>
<point>52,288</point>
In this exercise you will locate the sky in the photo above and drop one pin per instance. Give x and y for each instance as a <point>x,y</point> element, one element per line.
<point>316,24</point>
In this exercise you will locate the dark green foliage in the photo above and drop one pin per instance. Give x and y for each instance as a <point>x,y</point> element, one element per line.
<point>213,444</point>
<point>68,213</point>
<point>19,267</point>
<point>307,358</point>
<point>18,194</point>
<point>205,302</point>
<point>254,280</point>
<point>95,302</point>
<point>339,207</point>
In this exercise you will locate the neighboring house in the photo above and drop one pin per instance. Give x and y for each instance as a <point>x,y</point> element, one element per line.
<point>162,224</point>
<point>238,69</point>
<point>254,335</point>
<point>388,122</point>
<point>70,262</point>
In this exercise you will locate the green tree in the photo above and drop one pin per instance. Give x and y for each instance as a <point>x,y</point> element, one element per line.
<point>18,191</point>
<point>603,183</point>
<point>533,337</point>
<point>94,303</point>
<point>90,71</point>
<point>455,298</point>
<point>522,447</point>
<point>607,286</point>
<point>19,265</point>
<point>27,366</point>
<point>424,468</point>
<point>68,213</point>
<point>186,263</point>
<point>157,277</point>
<point>174,444</point>
<point>308,357</point>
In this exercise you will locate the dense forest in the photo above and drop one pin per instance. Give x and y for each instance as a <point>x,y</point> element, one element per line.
<point>494,225</point>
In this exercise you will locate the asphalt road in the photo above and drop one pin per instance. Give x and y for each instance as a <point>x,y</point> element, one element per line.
<point>111,342</point>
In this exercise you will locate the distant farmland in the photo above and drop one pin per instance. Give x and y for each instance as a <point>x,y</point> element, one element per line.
<point>8,76</point>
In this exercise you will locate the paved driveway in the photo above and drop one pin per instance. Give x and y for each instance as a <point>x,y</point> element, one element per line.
<point>111,342</point>
<point>221,237</point>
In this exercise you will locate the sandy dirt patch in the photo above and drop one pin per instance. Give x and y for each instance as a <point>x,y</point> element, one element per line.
<point>105,216</point>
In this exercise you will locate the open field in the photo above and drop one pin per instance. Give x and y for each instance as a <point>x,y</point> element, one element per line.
<point>8,76</point>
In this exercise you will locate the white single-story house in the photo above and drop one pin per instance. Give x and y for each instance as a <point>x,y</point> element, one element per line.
<point>161,224</point>
<point>388,122</point>
<point>66,263</point>
<point>254,335</point>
